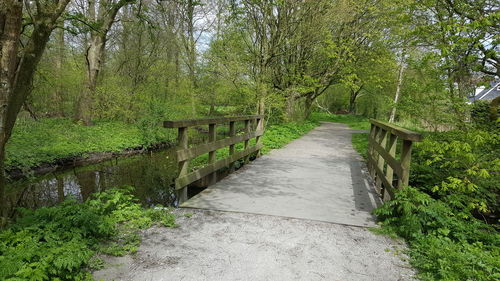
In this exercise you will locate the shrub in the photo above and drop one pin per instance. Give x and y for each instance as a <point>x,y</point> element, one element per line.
<point>58,243</point>
<point>443,245</point>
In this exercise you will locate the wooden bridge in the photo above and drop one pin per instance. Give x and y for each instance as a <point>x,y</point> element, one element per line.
<point>317,177</point>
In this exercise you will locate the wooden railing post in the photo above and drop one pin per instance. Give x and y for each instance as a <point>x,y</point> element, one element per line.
<point>247,130</point>
<point>383,164</point>
<point>232,133</point>
<point>405,163</point>
<point>182,143</point>
<point>389,173</point>
<point>373,132</point>
<point>258,140</point>
<point>382,140</point>
<point>208,172</point>
<point>212,155</point>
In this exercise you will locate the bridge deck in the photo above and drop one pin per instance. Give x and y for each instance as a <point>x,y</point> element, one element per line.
<point>317,177</point>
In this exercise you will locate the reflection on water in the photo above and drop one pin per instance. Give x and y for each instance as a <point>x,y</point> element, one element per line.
<point>151,174</point>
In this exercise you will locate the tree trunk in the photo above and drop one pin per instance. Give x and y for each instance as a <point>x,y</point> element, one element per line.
<point>59,91</point>
<point>94,56</point>
<point>10,29</point>
<point>290,109</point>
<point>308,106</point>
<point>17,73</point>
<point>352,99</point>
<point>103,16</point>
<point>398,89</point>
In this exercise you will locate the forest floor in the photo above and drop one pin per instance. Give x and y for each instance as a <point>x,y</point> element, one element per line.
<point>213,245</point>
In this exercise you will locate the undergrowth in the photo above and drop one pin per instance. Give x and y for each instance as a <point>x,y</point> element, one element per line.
<point>356,122</point>
<point>450,217</point>
<point>61,242</point>
<point>442,245</point>
<point>47,140</point>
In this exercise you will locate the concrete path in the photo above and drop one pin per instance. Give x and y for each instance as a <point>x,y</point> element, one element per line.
<point>226,246</point>
<point>316,177</point>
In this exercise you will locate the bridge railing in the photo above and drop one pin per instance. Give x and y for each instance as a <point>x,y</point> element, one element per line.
<point>388,165</point>
<point>253,128</point>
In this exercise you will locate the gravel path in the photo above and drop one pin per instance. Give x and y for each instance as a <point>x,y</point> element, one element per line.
<point>214,245</point>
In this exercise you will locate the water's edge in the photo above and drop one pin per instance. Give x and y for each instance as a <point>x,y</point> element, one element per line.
<point>63,164</point>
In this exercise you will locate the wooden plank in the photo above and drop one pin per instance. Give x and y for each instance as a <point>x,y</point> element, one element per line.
<point>181,182</point>
<point>259,126</point>
<point>232,133</point>
<point>373,132</point>
<point>398,131</point>
<point>247,141</point>
<point>391,146</point>
<point>182,142</point>
<point>391,161</point>
<point>380,174</point>
<point>380,160</point>
<point>212,136</point>
<point>207,121</point>
<point>405,163</point>
<point>193,152</point>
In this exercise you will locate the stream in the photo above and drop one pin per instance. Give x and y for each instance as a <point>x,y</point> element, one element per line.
<point>151,173</point>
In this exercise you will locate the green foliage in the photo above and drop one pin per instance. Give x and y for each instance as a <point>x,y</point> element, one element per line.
<point>443,245</point>
<point>277,136</point>
<point>151,127</point>
<point>456,178</point>
<point>48,140</point>
<point>354,121</point>
<point>481,115</point>
<point>461,168</point>
<point>59,243</point>
<point>360,144</point>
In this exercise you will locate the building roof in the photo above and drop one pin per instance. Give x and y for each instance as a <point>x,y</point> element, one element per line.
<point>489,93</point>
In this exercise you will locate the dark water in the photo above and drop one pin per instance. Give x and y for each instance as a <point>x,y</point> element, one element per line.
<point>151,173</point>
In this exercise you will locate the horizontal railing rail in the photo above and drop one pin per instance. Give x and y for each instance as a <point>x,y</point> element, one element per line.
<point>389,170</point>
<point>253,128</point>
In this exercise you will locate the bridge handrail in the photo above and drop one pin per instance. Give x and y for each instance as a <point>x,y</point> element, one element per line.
<point>253,129</point>
<point>382,149</point>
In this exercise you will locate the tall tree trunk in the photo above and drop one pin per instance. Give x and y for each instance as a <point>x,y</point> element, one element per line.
<point>352,99</point>
<point>398,88</point>
<point>94,56</point>
<point>103,17</point>
<point>308,106</point>
<point>59,91</point>
<point>17,73</point>
<point>10,30</point>
<point>290,107</point>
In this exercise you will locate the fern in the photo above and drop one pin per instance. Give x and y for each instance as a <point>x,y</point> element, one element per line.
<point>58,243</point>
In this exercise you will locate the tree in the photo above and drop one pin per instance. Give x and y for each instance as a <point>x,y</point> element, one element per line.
<point>465,33</point>
<point>19,61</point>
<point>100,16</point>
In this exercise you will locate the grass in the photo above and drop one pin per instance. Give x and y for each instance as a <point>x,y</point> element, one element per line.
<point>360,144</point>
<point>47,140</point>
<point>355,122</point>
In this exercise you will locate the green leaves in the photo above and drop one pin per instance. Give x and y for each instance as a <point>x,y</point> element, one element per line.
<point>443,218</point>
<point>58,243</point>
<point>48,140</point>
